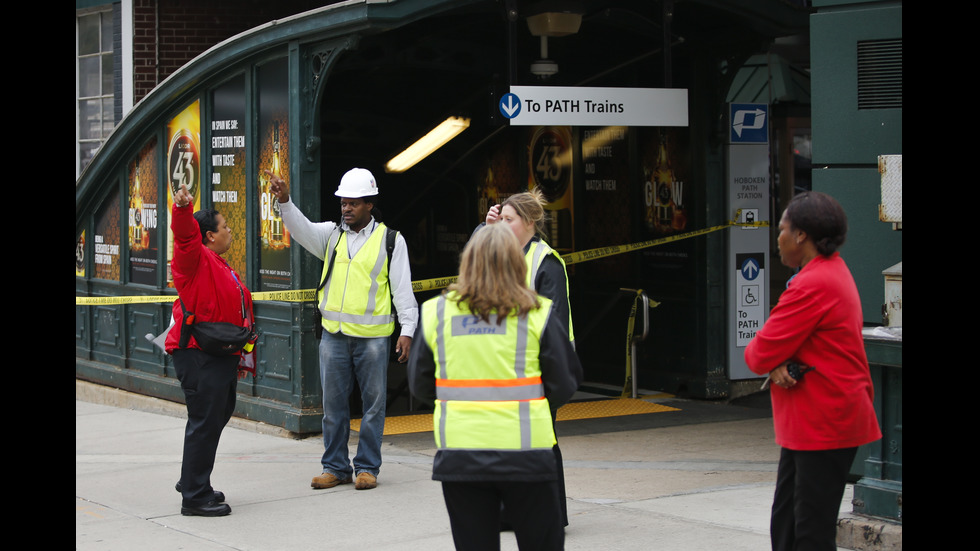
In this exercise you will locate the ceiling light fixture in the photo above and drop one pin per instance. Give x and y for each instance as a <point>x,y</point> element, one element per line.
<point>551,23</point>
<point>436,138</point>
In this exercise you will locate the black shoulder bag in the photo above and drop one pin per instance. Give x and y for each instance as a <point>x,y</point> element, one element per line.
<point>218,337</point>
<point>214,337</point>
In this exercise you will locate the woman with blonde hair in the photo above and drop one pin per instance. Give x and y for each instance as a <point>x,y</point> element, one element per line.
<point>525,215</point>
<point>493,359</point>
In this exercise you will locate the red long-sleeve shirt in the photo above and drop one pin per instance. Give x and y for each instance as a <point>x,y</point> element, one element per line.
<point>208,286</point>
<point>818,322</point>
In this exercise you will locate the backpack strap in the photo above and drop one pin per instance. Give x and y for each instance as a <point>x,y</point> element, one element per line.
<point>390,241</point>
<point>185,327</point>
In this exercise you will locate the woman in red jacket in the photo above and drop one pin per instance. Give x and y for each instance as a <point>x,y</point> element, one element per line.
<point>813,352</point>
<point>213,292</point>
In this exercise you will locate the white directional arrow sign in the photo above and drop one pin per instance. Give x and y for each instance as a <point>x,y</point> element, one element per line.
<point>750,269</point>
<point>510,105</point>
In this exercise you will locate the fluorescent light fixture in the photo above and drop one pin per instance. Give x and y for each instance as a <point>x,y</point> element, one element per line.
<point>436,138</point>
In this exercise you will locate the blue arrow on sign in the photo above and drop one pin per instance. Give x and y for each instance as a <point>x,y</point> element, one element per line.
<point>510,105</point>
<point>750,269</point>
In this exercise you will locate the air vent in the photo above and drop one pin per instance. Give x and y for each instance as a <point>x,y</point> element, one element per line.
<point>879,71</point>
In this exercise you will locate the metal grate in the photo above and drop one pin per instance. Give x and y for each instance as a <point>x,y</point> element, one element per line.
<point>879,69</point>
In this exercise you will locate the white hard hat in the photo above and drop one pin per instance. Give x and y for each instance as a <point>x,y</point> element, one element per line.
<point>358,182</point>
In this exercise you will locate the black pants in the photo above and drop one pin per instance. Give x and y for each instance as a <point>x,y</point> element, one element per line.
<point>209,384</point>
<point>505,523</point>
<point>809,489</point>
<point>474,509</point>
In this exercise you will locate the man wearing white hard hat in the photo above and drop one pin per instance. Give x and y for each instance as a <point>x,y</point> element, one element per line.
<point>365,272</point>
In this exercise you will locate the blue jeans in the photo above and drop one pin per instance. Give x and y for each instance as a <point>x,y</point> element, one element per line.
<point>342,359</point>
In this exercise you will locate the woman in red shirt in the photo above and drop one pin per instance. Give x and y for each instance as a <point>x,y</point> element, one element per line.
<point>812,349</point>
<point>214,292</point>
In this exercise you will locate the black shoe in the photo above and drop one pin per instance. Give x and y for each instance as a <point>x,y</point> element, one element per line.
<point>209,509</point>
<point>219,497</point>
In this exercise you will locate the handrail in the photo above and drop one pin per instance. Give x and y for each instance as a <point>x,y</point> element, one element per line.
<point>632,338</point>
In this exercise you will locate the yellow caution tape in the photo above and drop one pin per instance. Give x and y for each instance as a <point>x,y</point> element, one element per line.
<point>92,301</point>
<point>300,295</point>
<point>304,295</point>
<point>602,252</point>
<point>430,284</point>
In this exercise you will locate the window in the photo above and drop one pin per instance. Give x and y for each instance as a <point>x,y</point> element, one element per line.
<point>93,84</point>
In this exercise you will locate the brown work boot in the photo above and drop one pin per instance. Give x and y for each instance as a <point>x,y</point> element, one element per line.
<point>327,480</point>
<point>365,481</point>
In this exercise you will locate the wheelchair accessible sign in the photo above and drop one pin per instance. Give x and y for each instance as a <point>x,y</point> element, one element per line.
<point>576,106</point>
<point>750,310</point>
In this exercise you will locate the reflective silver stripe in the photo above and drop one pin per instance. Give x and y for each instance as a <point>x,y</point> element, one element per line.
<point>378,266</point>
<point>536,263</point>
<point>363,319</point>
<point>440,336</point>
<point>441,361</point>
<point>490,393</point>
<point>442,425</point>
<point>520,358</point>
<point>524,412</point>
<point>331,251</point>
<point>524,408</point>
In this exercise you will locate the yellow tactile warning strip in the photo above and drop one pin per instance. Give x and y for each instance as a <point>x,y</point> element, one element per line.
<point>406,424</point>
<point>609,408</point>
<point>402,424</point>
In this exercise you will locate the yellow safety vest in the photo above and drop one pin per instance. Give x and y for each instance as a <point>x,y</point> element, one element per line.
<point>534,256</point>
<point>489,392</point>
<point>356,300</point>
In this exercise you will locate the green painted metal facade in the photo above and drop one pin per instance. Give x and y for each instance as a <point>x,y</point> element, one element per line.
<point>111,347</point>
<point>857,116</point>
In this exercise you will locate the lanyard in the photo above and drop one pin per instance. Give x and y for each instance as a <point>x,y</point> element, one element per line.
<point>241,292</point>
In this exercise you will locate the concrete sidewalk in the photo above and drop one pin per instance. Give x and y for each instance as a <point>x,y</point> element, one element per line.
<point>698,479</point>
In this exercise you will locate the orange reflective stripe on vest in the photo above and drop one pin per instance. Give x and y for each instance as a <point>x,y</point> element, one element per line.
<point>529,388</point>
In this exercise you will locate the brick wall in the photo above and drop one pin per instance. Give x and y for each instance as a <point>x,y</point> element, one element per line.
<point>169,33</point>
